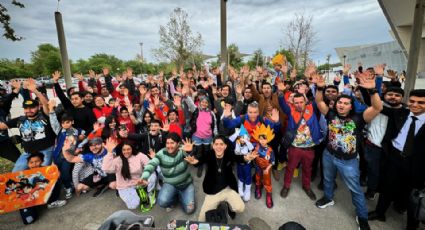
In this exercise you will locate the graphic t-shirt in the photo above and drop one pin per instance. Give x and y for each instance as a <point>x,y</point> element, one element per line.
<point>95,160</point>
<point>345,134</point>
<point>303,137</point>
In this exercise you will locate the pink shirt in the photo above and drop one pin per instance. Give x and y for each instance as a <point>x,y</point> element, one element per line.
<point>203,125</point>
<point>136,163</point>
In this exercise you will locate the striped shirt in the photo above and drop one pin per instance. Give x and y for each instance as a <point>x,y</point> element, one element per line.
<point>173,167</point>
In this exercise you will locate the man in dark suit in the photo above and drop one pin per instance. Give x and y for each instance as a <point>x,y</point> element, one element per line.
<point>405,165</point>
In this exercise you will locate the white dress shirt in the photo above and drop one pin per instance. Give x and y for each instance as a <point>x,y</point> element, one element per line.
<point>399,141</point>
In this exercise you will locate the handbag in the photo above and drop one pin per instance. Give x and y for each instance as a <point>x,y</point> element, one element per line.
<point>417,203</point>
<point>289,136</point>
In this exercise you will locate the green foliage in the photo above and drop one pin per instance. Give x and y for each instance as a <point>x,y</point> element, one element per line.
<point>10,69</point>
<point>257,59</point>
<point>234,56</point>
<point>141,67</point>
<point>46,59</point>
<point>327,66</point>
<point>9,32</point>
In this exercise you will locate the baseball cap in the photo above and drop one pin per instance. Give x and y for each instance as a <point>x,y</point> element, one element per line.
<point>30,103</point>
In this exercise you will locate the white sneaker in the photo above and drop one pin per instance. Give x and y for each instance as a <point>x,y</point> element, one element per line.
<point>68,193</point>
<point>240,188</point>
<point>56,204</point>
<point>247,193</point>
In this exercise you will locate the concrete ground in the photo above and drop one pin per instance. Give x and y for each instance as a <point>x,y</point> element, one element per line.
<point>87,213</point>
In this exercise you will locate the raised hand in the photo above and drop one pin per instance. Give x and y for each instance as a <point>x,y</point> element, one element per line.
<point>275,115</point>
<point>227,111</point>
<point>55,76</point>
<point>251,156</point>
<point>52,105</point>
<point>177,101</point>
<point>392,74</point>
<point>165,126</point>
<point>320,80</point>
<point>31,85</point>
<point>16,85</point>
<point>346,69</point>
<point>151,153</point>
<point>187,145</point>
<point>191,160</point>
<point>110,144</point>
<point>379,69</point>
<point>367,81</point>
<point>142,90</point>
<point>239,89</point>
<point>92,74</point>
<point>293,74</point>
<point>79,76</point>
<point>105,71</point>
<point>284,68</point>
<point>281,86</point>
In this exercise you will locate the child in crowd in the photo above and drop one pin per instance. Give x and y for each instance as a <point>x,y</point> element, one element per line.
<point>30,215</point>
<point>243,147</point>
<point>64,130</point>
<point>263,162</point>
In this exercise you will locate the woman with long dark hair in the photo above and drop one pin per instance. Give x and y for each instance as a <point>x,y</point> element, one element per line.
<point>147,118</point>
<point>111,128</point>
<point>128,166</point>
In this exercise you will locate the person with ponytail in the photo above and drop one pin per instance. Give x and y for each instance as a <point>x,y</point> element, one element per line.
<point>128,166</point>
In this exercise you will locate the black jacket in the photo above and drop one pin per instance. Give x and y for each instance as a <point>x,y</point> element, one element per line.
<point>396,120</point>
<point>214,181</point>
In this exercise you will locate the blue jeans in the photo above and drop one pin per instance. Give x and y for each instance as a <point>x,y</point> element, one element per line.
<point>167,197</point>
<point>200,141</point>
<point>350,174</point>
<point>22,163</point>
<point>65,171</point>
<point>373,156</point>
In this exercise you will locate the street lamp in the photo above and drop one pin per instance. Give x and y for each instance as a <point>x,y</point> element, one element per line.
<point>328,57</point>
<point>345,56</point>
<point>141,51</point>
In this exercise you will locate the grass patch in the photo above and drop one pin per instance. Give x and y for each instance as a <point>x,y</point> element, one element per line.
<point>6,165</point>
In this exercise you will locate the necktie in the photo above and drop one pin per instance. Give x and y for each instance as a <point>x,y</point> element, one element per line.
<point>408,146</point>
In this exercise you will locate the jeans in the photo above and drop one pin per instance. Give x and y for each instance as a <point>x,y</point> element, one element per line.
<point>350,174</point>
<point>201,141</point>
<point>373,156</point>
<point>65,170</point>
<point>168,193</point>
<point>22,163</point>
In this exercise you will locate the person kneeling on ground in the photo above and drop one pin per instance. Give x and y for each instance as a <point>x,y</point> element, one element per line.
<point>220,182</point>
<point>99,179</point>
<point>30,215</point>
<point>128,167</point>
<point>177,178</point>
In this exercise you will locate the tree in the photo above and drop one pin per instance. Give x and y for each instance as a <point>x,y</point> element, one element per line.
<point>300,38</point>
<point>257,59</point>
<point>177,43</point>
<point>235,57</point>
<point>98,61</point>
<point>9,32</point>
<point>10,69</point>
<point>46,59</point>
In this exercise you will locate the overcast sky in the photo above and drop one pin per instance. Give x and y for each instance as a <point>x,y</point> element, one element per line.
<point>117,26</point>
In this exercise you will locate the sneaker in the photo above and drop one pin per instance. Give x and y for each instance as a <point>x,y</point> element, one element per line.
<point>258,192</point>
<point>281,166</point>
<point>276,175</point>
<point>269,200</point>
<point>324,202</point>
<point>100,190</point>
<point>371,195</point>
<point>68,193</point>
<point>374,215</point>
<point>363,224</point>
<point>56,204</point>
<point>296,173</point>
<point>152,198</point>
<point>225,207</point>
<point>284,192</point>
<point>310,194</point>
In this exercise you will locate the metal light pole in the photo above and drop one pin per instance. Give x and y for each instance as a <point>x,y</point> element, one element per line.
<point>62,46</point>
<point>141,51</point>
<point>344,59</point>
<point>223,36</point>
<point>328,57</point>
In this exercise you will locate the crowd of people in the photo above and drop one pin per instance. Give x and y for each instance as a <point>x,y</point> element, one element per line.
<point>112,133</point>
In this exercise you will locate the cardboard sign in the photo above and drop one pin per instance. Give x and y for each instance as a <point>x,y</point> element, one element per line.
<point>27,188</point>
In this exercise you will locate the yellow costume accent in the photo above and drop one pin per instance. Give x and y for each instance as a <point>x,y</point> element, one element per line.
<point>279,59</point>
<point>263,130</point>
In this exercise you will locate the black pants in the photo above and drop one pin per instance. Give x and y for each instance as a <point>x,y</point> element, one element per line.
<point>9,150</point>
<point>397,185</point>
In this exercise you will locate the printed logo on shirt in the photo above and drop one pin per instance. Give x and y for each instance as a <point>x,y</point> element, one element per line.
<point>341,136</point>
<point>32,130</point>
